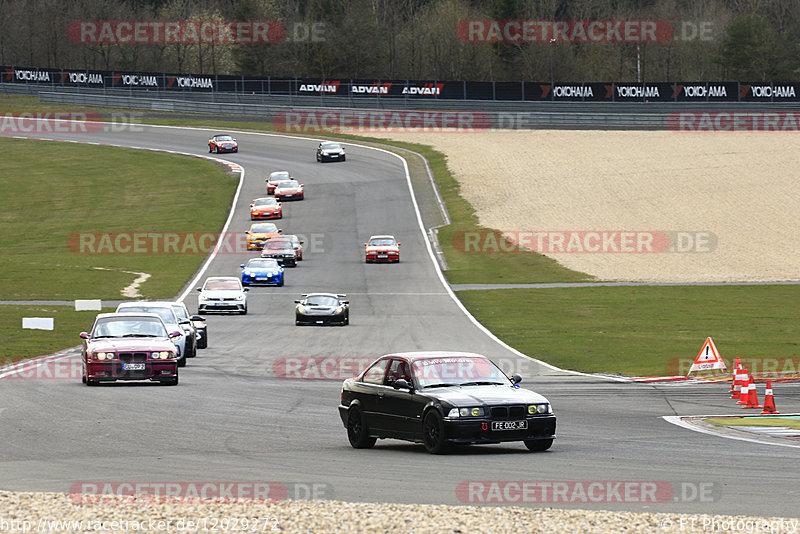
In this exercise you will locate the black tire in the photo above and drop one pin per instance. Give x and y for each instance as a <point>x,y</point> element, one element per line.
<point>173,382</point>
<point>91,383</point>
<point>280,284</point>
<point>344,158</point>
<point>202,343</point>
<point>357,430</point>
<point>297,320</point>
<point>539,444</point>
<point>433,435</point>
<point>244,311</point>
<point>182,362</point>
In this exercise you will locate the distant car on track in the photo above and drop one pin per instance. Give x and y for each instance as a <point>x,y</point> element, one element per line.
<point>443,398</point>
<point>258,234</point>
<point>322,308</point>
<point>197,322</point>
<point>129,346</point>
<point>262,271</point>
<point>330,151</point>
<point>289,190</point>
<point>222,143</point>
<point>280,249</point>
<point>185,344</point>
<point>382,248</point>
<point>265,208</point>
<point>297,243</point>
<point>275,178</point>
<point>222,294</point>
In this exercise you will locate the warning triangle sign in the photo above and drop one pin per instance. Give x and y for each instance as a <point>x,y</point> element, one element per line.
<point>708,358</point>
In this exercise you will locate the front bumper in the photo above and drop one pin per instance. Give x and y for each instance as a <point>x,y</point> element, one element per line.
<point>296,196</point>
<point>221,306</point>
<point>383,257</point>
<point>266,215</point>
<point>111,371</point>
<point>479,430</point>
<point>290,261</point>
<point>255,279</point>
<point>227,148</point>
<point>319,319</point>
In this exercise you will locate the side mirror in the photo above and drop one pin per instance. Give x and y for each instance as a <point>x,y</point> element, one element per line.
<point>241,266</point>
<point>175,334</point>
<point>399,244</point>
<point>280,231</point>
<point>297,302</point>
<point>365,244</point>
<point>402,383</point>
<point>301,242</point>
<point>84,335</point>
<point>199,288</point>
<point>246,289</point>
<point>185,321</point>
<point>345,302</point>
<point>516,379</point>
<point>198,318</point>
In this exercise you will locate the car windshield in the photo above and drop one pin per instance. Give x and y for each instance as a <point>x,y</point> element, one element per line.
<point>322,300</point>
<point>279,175</point>
<point>265,202</point>
<point>277,245</point>
<point>381,242</point>
<point>264,228</point>
<point>288,184</point>
<point>166,313</point>
<point>265,263</point>
<point>129,327</point>
<point>331,146</point>
<point>216,285</point>
<point>180,311</point>
<point>224,138</point>
<point>454,371</point>
<point>293,239</point>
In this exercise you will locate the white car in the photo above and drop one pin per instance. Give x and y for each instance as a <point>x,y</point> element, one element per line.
<point>173,324</point>
<point>222,293</point>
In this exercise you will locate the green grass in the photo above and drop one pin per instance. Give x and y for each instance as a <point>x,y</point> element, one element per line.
<point>56,194</point>
<point>17,344</point>
<point>756,421</point>
<point>643,330</point>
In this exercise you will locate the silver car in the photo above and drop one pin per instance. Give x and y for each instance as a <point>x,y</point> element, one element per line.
<point>167,314</point>
<point>222,293</point>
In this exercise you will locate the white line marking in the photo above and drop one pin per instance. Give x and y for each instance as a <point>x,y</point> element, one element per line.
<point>678,420</point>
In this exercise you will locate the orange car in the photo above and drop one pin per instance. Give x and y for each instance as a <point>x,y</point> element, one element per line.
<point>265,208</point>
<point>382,248</point>
<point>289,190</point>
<point>275,178</point>
<point>258,234</point>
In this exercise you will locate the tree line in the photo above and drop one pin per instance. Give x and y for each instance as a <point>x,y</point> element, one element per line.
<point>712,40</point>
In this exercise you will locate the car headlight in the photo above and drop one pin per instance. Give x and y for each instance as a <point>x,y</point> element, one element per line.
<point>161,355</point>
<point>338,309</point>
<point>104,355</point>
<point>534,409</point>
<point>300,308</point>
<point>466,412</point>
<point>239,297</point>
<point>247,272</point>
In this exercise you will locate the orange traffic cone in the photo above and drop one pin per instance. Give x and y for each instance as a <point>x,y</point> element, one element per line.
<point>752,395</point>
<point>738,375</point>
<point>743,387</point>
<point>769,400</point>
<point>736,366</point>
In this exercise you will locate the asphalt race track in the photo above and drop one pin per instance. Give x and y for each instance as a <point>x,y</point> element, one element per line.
<point>232,419</point>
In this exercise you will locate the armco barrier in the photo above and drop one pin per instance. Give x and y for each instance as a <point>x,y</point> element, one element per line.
<point>533,115</point>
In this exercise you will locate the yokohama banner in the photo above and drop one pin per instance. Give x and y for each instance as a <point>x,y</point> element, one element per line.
<point>410,89</point>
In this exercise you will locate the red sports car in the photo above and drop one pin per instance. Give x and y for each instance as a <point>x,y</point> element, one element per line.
<point>275,178</point>
<point>223,143</point>
<point>265,208</point>
<point>289,190</point>
<point>382,248</point>
<point>129,346</point>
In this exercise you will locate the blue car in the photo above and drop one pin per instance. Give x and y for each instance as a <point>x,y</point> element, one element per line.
<point>262,271</point>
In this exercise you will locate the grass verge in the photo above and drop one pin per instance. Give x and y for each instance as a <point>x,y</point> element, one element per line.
<point>59,199</point>
<point>755,421</point>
